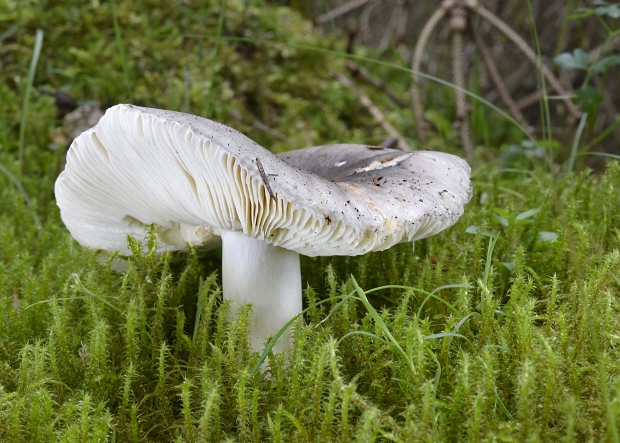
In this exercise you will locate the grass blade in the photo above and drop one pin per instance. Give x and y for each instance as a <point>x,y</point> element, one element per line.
<point>379,321</point>
<point>19,186</point>
<point>218,39</point>
<point>432,295</point>
<point>545,111</point>
<point>272,342</point>
<point>443,334</point>
<point>464,319</point>
<point>487,264</point>
<point>38,44</point>
<point>121,50</point>
<point>9,33</point>
<point>369,334</point>
<point>90,295</point>
<point>599,154</point>
<point>573,154</point>
<point>203,291</point>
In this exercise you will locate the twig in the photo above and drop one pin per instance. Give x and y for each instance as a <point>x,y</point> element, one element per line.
<point>277,134</point>
<point>401,28</point>
<point>375,112</point>
<point>38,43</point>
<point>529,100</point>
<point>415,67</point>
<point>392,27</point>
<point>458,24</point>
<point>360,72</point>
<point>340,10</point>
<point>264,177</point>
<point>389,143</point>
<point>497,81</point>
<point>263,127</point>
<point>601,49</point>
<point>527,50</point>
<point>218,38</point>
<point>365,17</point>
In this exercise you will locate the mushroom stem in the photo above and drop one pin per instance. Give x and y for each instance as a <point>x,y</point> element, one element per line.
<point>266,276</point>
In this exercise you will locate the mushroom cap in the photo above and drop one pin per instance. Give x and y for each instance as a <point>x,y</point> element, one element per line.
<point>194,178</point>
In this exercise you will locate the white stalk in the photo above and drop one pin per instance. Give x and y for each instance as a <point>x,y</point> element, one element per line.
<point>266,276</point>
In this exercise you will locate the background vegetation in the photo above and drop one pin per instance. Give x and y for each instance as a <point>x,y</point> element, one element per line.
<point>503,328</point>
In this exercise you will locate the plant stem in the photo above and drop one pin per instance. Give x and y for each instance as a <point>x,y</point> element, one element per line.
<point>38,43</point>
<point>218,38</point>
<point>573,154</point>
<point>121,51</point>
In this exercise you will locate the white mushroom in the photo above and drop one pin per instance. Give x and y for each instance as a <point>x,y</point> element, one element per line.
<point>198,181</point>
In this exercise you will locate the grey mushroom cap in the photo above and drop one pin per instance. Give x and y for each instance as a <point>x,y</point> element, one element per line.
<point>194,178</point>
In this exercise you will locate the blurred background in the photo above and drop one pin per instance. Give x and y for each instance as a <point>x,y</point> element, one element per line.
<point>495,64</point>
<point>292,74</point>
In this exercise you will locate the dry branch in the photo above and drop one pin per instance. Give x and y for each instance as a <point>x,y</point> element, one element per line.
<point>497,81</point>
<point>358,71</point>
<point>374,111</point>
<point>457,25</point>
<point>528,51</point>
<point>415,66</point>
<point>529,100</point>
<point>340,10</point>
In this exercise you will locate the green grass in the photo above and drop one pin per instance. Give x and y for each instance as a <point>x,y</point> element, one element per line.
<point>503,328</point>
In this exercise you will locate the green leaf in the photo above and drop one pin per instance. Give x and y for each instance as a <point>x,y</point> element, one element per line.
<point>612,11</point>
<point>601,65</point>
<point>464,319</point>
<point>527,214</point>
<point>369,334</point>
<point>9,33</point>
<point>510,265</point>
<point>487,263</point>
<point>502,216</point>
<point>441,123</point>
<point>443,334</point>
<point>381,324</point>
<point>577,60</point>
<point>500,211</point>
<point>501,220</point>
<point>474,230</point>
<point>581,13</point>
<point>545,236</point>
<point>589,98</point>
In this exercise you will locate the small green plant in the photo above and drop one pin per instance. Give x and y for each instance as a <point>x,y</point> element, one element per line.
<point>592,63</point>
<point>503,328</point>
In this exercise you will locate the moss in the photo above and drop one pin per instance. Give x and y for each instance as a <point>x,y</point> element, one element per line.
<point>523,346</point>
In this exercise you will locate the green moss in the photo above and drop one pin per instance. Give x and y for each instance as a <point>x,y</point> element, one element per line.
<point>523,347</point>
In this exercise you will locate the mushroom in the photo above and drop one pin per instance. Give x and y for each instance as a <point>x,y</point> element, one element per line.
<point>198,182</point>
